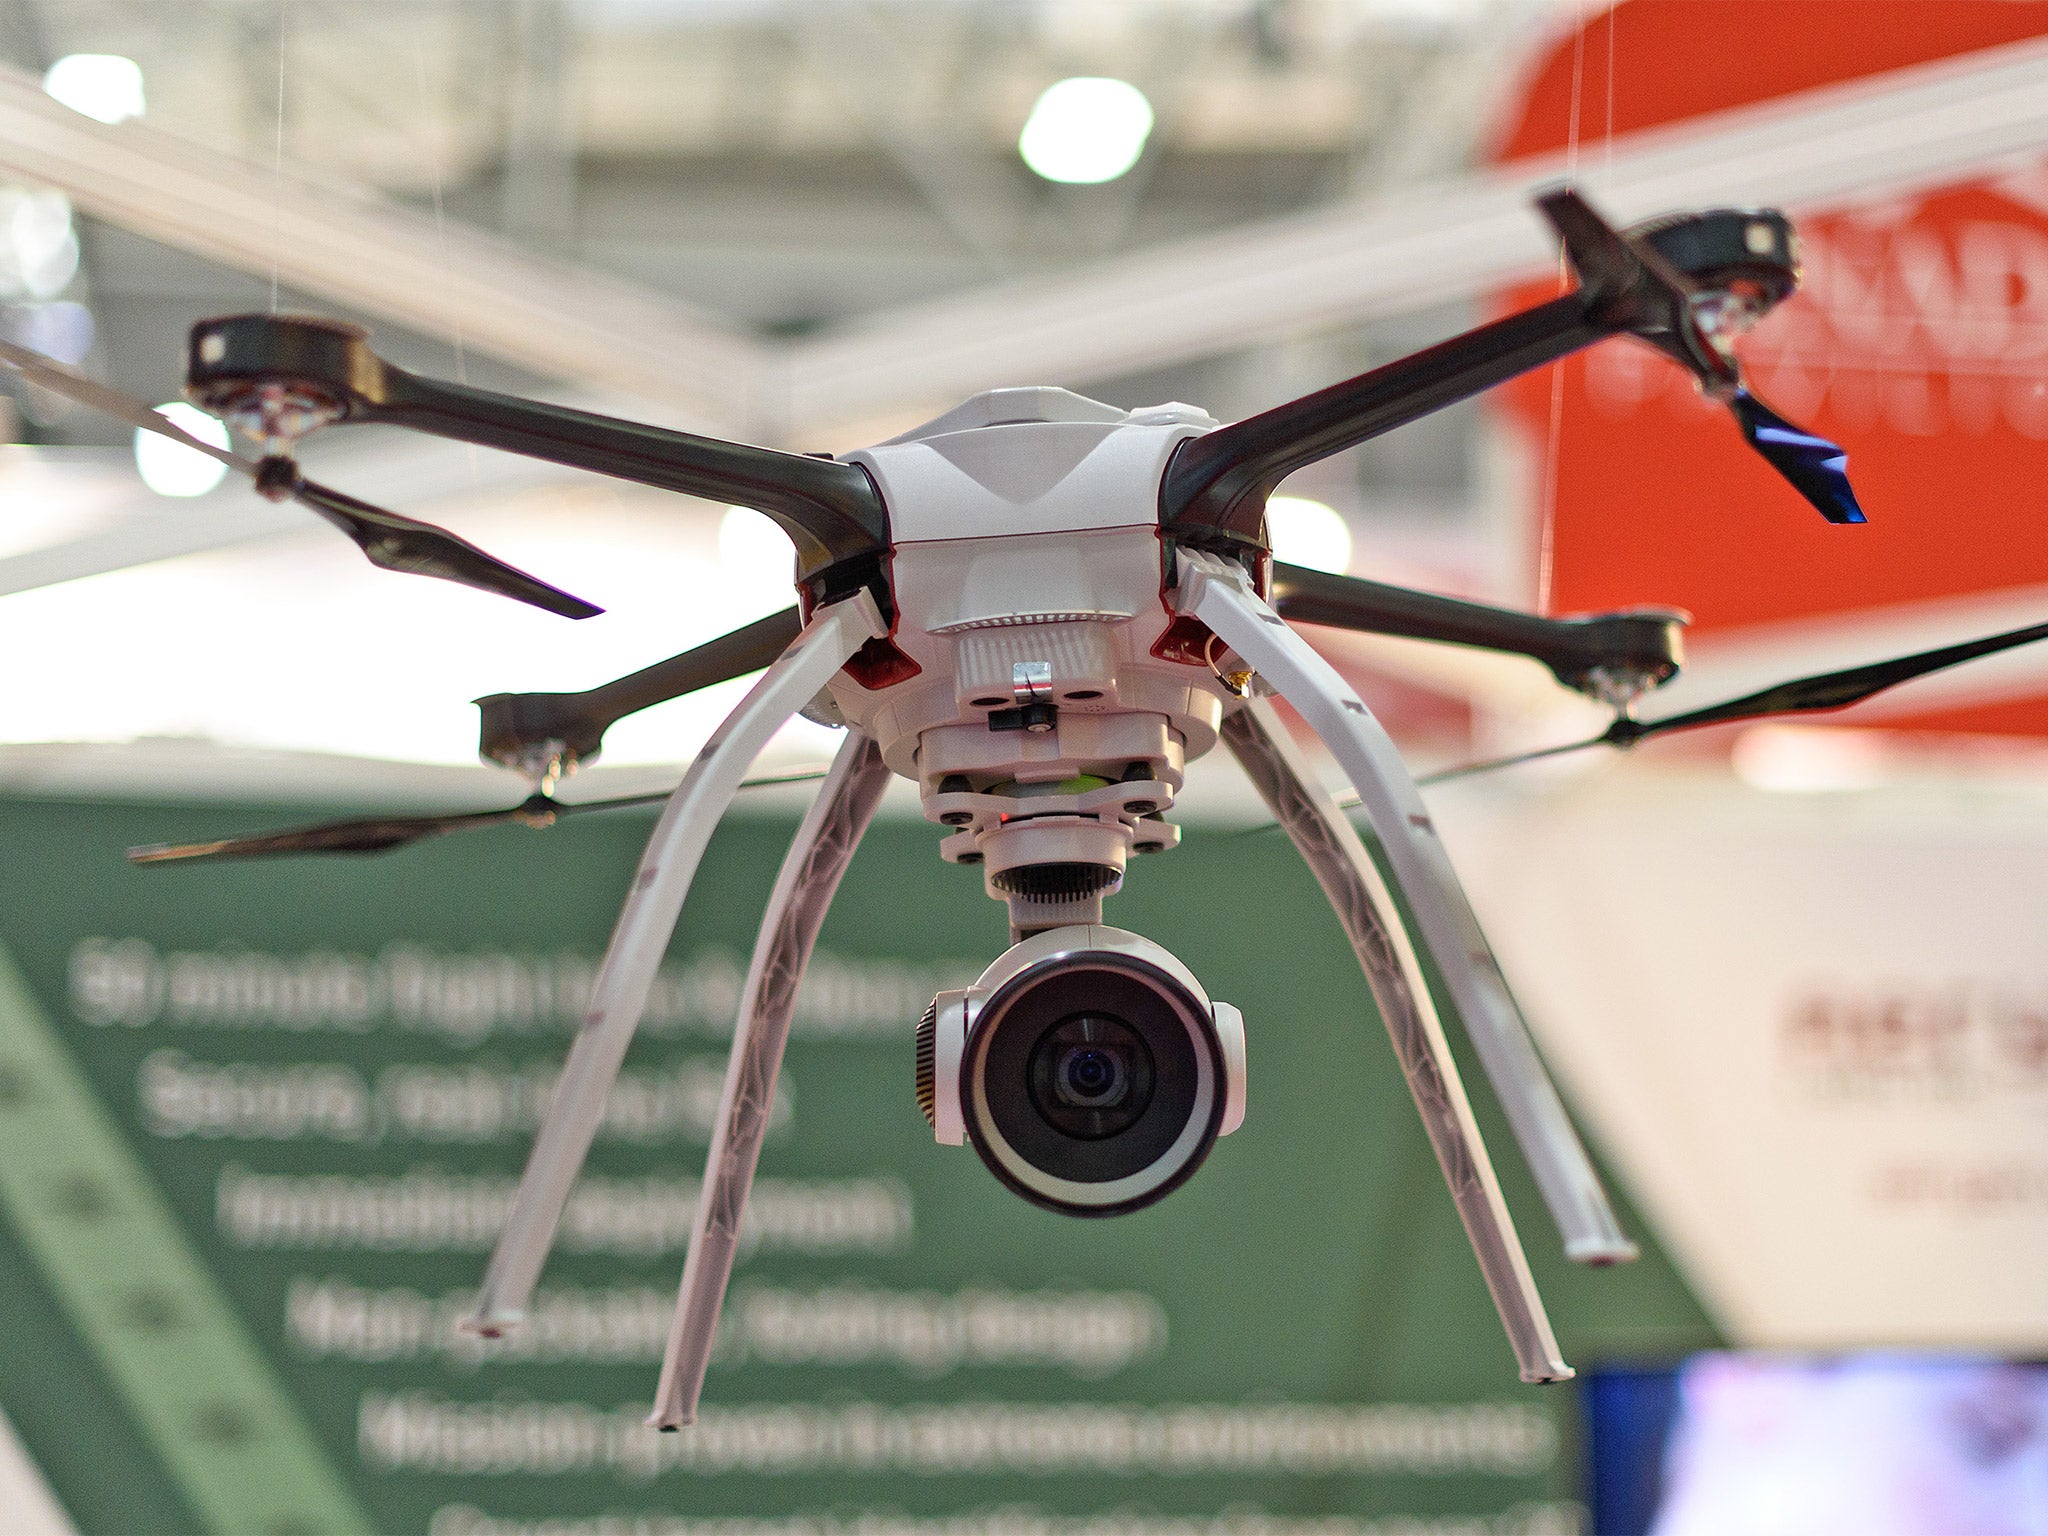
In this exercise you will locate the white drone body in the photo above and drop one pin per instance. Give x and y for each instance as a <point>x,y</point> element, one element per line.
<point>1043,723</point>
<point>1049,672</point>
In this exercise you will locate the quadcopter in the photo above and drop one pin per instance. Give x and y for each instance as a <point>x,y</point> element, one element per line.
<point>1039,609</point>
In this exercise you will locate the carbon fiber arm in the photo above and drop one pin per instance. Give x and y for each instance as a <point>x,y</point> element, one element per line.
<point>1217,485</point>
<point>1639,282</point>
<point>522,729</point>
<point>831,511</point>
<point>1581,653</point>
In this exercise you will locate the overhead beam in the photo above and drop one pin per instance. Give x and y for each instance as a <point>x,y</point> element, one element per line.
<point>340,242</point>
<point>1426,244</point>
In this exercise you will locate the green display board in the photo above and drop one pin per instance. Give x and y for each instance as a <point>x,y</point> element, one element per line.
<point>258,1124</point>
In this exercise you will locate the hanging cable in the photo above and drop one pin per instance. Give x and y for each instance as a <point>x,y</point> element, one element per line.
<point>1547,527</point>
<point>277,205</point>
<point>426,117</point>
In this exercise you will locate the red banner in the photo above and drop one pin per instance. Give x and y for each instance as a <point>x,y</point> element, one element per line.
<point>1919,341</point>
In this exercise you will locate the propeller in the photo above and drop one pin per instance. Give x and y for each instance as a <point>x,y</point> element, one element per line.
<point>1805,695</point>
<point>381,834</point>
<point>389,540</point>
<point>1816,468</point>
<point>1738,264</point>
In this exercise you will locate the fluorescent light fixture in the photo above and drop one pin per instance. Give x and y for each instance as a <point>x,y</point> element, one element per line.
<point>105,86</point>
<point>1086,130</point>
<point>172,469</point>
<point>1310,533</point>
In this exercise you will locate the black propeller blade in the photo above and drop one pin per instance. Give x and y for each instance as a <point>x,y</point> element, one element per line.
<point>374,834</point>
<point>48,373</point>
<point>1816,468</point>
<point>390,540</point>
<point>414,548</point>
<point>1673,310</point>
<point>1825,691</point>
<point>381,834</point>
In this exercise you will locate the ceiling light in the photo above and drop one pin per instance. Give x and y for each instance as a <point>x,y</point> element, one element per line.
<point>38,247</point>
<point>105,86</point>
<point>63,330</point>
<point>172,469</point>
<point>1309,533</point>
<point>1086,130</point>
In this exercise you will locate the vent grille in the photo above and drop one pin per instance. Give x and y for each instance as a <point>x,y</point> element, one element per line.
<point>1055,882</point>
<point>927,1064</point>
<point>1013,620</point>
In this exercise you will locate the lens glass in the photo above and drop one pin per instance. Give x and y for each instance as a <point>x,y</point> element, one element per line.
<point>1091,1076</point>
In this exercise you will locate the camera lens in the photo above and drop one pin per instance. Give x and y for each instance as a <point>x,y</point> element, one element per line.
<point>1092,1078</point>
<point>1091,1075</point>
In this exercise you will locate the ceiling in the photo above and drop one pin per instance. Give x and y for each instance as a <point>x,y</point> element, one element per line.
<point>778,166</point>
<point>789,163</point>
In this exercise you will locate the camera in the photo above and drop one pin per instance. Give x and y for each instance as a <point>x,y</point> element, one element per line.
<point>1087,1067</point>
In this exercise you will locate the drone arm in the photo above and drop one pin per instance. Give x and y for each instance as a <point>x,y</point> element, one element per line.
<point>1217,484</point>
<point>817,857</point>
<point>520,728</point>
<point>638,943</point>
<point>1371,920</point>
<point>1219,594</point>
<point>831,511</point>
<point>1639,282</point>
<point>1641,644</point>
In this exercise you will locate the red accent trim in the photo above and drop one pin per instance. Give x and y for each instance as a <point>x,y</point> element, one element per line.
<point>881,664</point>
<point>1189,641</point>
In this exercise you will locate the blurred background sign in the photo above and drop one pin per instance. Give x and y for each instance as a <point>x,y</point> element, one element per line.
<point>260,1124</point>
<point>1811,1025</point>
<point>1919,339</point>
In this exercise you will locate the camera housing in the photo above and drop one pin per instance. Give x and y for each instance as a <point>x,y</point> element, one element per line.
<point>1087,1067</point>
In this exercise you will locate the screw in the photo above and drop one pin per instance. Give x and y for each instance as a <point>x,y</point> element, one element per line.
<point>955,818</point>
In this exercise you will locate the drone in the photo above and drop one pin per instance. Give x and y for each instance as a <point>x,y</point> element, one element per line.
<point>1039,609</point>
